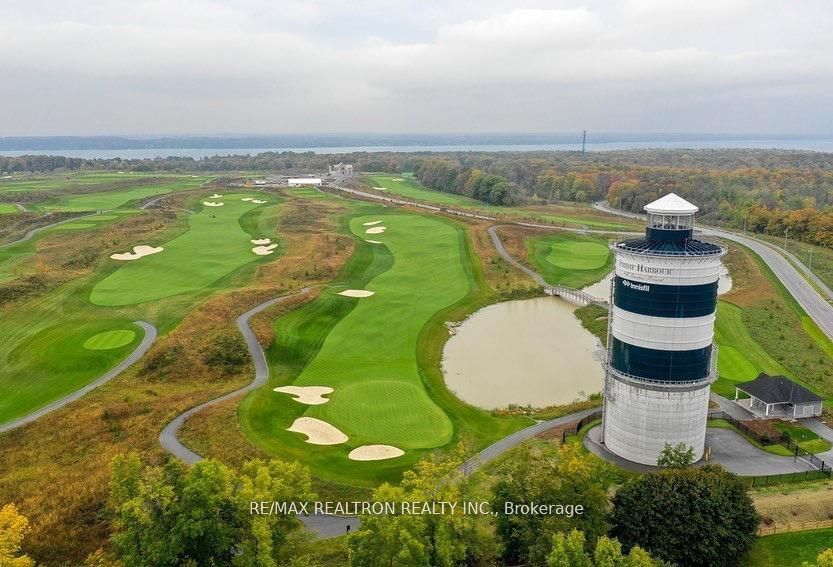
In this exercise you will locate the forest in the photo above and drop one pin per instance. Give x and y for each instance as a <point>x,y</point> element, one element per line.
<point>771,191</point>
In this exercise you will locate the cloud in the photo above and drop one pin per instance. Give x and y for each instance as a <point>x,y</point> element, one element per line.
<point>196,66</point>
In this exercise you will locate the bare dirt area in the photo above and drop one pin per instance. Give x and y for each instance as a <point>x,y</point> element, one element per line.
<point>793,507</point>
<point>749,284</point>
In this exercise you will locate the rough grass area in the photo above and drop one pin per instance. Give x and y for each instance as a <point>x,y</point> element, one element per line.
<point>760,328</point>
<point>572,260</point>
<point>594,319</point>
<point>572,215</point>
<point>790,549</point>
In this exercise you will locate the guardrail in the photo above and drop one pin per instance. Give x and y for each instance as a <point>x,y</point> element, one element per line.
<point>576,427</point>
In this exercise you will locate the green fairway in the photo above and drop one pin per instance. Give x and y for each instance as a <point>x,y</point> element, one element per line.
<point>380,354</point>
<point>110,339</point>
<point>75,226</point>
<point>53,360</point>
<point>572,260</point>
<point>57,182</point>
<point>740,358</point>
<point>410,188</point>
<point>215,245</point>
<point>379,396</point>
<point>790,549</point>
<point>8,209</point>
<point>116,197</point>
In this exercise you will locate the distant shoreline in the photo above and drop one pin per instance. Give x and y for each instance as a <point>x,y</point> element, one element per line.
<point>798,144</point>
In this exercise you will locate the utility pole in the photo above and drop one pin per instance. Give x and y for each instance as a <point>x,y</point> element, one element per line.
<point>583,141</point>
<point>786,230</point>
<point>810,264</point>
<point>744,225</point>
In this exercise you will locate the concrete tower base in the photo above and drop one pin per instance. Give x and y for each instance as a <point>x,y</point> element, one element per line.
<point>640,418</point>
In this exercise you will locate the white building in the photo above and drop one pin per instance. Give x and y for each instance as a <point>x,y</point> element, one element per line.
<point>304,181</point>
<point>661,359</point>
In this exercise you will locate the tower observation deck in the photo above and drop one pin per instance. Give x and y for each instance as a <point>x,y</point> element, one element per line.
<point>660,359</point>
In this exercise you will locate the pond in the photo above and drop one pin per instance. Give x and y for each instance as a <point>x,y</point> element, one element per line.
<point>532,351</point>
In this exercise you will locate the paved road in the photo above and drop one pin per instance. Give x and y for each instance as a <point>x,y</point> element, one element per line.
<point>813,303</point>
<point>34,231</point>
<point>168,437</point>
<point>144,345</point>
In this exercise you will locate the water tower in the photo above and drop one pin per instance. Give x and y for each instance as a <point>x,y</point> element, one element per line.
<point>660,357</point>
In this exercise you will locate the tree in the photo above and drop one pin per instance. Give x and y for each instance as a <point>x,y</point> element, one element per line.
<point>13,528</point>
<point>438,540</point>
<point>687,516</point>
<point>171,514</point>
<point>568,477</point>
<point>677,456</point>
<point>568,551</point>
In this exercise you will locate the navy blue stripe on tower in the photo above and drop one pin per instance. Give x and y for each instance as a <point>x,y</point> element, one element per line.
<point>665,365</point>
<point>675,301</point>
<point>667,234</point>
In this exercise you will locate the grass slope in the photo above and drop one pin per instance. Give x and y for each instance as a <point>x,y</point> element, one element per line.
<point>789,549</point>
<point>215,245</point>
<point>571,260</point>
<point>58,182</point>
<point>740,358</point>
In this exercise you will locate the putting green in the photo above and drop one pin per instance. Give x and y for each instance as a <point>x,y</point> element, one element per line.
<point>578,255</point>
<point>214,246</point>
<point>110,339</point>
<point>41,362</point>
<point>365,348</point>
<point>572,260</point>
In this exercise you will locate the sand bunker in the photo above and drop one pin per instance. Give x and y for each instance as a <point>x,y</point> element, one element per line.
<point>380,188</point>
<point>259,202</point>
<point>373,241</point>
<point>216,196</point>
<point>356,293</point>
<point>375,452</point>
<point>318,432</point>
<point>264,250</point>
<point>398,179</point>
<point>375,230</point>
<point>247,199</point>
<point>310,395</point>
<point>371,223</point>
<point>261,241</point>
<point>212,204</point>
<point>138,252</point>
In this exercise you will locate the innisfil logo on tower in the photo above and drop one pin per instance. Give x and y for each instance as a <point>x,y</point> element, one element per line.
<point>636,286</point>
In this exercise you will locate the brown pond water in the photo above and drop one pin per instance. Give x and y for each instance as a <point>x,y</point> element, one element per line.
<point>532,351</point>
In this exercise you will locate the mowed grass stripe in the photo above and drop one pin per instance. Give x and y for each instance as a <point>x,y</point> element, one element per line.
<point>106,200</point>
<point>214,246</point>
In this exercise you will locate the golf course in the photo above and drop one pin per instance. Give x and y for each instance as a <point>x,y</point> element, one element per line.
<point>74,329</point>
<point>365,341</point>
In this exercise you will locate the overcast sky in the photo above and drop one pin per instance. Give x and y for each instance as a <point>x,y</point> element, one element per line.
<point>281,66</point>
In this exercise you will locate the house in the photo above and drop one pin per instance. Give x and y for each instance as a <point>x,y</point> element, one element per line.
<point>778,396</point>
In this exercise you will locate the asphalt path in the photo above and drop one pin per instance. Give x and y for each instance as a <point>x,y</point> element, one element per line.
<point>810,300</point>
<point>168,437</point>
<point>144,345</point>
<point>34,231</point>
